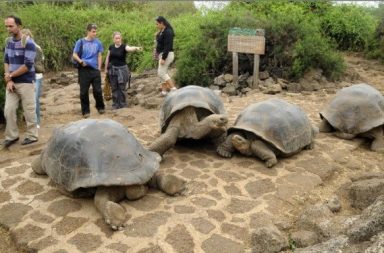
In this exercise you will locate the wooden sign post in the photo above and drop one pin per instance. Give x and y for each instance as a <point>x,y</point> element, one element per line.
<point>251,41</point>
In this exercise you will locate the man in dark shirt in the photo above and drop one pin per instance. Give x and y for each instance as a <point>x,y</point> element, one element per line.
<point>19,75</point>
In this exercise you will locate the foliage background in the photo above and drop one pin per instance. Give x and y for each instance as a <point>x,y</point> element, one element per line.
<point>299,34</point>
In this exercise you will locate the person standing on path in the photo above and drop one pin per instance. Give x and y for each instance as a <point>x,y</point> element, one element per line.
<point>90,60</point>
<point>117,69</point>
<point>164,48</point>
<point>19,75</point>
<point>27,34</point>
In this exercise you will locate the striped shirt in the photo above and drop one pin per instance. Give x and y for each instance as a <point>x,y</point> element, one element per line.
<point>16,55</point>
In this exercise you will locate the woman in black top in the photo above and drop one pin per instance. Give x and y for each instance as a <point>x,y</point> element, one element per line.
<point>117,69</point>
<point>164,47</point>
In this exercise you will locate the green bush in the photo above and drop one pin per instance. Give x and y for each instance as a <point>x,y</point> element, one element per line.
<point>375,48</point>
<point>349,26</point>
<point>294,42</point>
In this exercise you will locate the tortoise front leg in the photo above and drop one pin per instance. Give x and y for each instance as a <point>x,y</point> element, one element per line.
<point>106,201</point>
<point>226,148</point>
<point>212,123</point>
<point>261,150</point>
<point>254,148</point>
<point>166,141</point>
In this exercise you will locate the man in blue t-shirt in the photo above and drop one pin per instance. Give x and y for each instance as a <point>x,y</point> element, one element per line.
<point>19,75</point>
<point>89,60</point>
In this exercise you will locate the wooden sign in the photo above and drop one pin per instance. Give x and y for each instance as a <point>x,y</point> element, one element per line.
<point>249,41</point>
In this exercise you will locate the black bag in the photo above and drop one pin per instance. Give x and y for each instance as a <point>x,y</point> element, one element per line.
<point>75,63</point>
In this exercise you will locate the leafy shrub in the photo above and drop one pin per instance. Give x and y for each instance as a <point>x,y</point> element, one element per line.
<point>376,43</point>
<point>294,43</point>
<point>350,26</point>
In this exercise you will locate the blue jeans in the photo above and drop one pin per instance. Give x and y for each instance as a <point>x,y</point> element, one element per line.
<point>38,84</point>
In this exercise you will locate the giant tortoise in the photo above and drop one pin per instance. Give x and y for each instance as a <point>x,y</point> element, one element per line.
<point>102,158</point>
<point>267,129</point>
<point>192,112</point>
<point>356,110</point>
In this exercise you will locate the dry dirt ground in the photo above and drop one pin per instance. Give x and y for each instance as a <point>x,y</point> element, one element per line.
<point>224,201</point>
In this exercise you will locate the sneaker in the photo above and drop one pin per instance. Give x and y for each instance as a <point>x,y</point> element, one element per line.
<point>8,143</point>
<point>101,111</point>
<point>86,115</point>
<point>28,141</point>
<point>38,126</point>
<point>163,93</point>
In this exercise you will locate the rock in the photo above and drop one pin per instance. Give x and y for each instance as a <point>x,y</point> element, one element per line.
<point>250,81</point>
<point>268,239</point>
<point>333,204</point>
<point>230,90</point>
<point>333,245</point>
<point>304,238</point>
<point>294,87</point>
<point>273,89</point>
<point>263,75</point>
<point>152,103</point>
<point>228,78</point>
<point>370,223</point>
<point>317,218</point>
<point>364,192</point>
<point>243,79</point>
<point>220,81</point>
<point>214,87</point>
<point>378,244</point>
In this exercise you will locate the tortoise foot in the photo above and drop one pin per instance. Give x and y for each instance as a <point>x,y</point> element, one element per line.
<point>114,215</point>
<point>170,184</point>
<point>271,162</point>
<point>223,152</point>
<point>377,146</point>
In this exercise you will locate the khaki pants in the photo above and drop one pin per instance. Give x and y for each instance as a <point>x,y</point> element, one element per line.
<point>163,69</point>
<point>25,92</point>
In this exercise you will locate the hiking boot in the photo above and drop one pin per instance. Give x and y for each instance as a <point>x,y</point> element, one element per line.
<point>86,115</point>
<point>101,111</point>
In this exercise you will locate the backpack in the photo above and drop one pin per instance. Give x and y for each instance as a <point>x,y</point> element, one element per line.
<point>39,58</point>
<point>75,63</point>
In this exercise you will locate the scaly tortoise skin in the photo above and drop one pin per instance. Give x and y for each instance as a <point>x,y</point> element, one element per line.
<point>191,112</point>
<point>102,158</point>
<point>267,129</point>
<point>356,110</point>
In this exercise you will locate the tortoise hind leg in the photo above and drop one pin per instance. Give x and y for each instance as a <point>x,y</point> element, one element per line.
<point>37,165</point>
<point>106,201</point>
<point>378,141</point>
<point>166,141</point>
